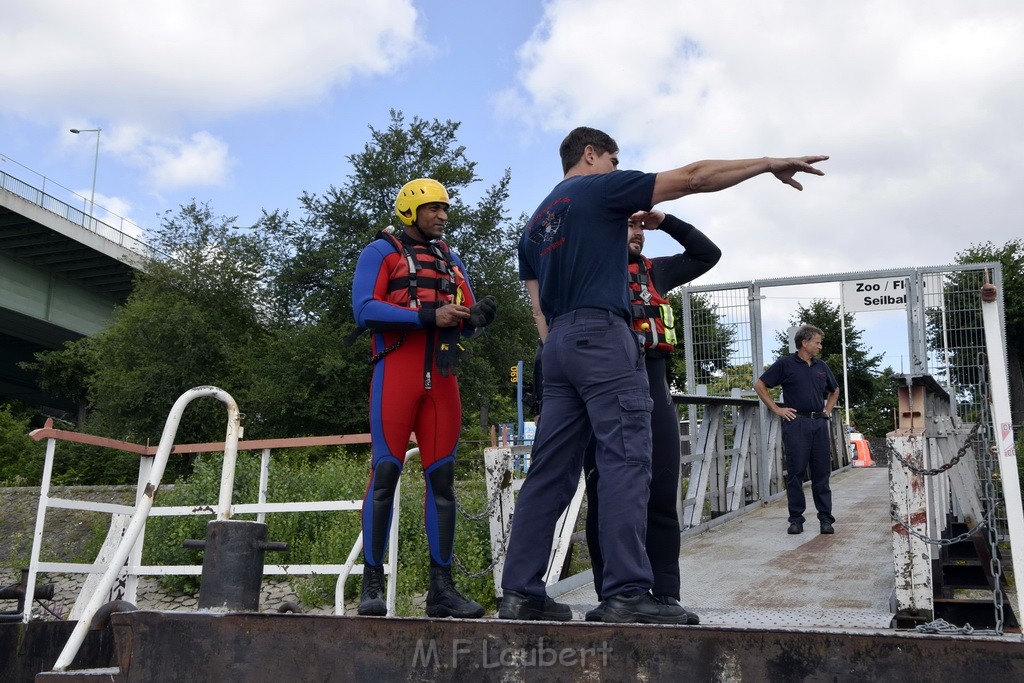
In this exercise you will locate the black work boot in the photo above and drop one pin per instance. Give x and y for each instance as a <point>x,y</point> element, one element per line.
<point>371,601</point>
<point>443,600</point>
<point>523,607</point>
<point>641,608</point>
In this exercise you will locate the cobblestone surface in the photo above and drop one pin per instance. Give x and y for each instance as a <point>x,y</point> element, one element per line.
<point>151,596</point>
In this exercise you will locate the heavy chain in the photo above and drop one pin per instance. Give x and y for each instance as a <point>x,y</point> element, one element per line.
<point>485,514</point>
<point>937,541</point>
<point>492,504</point>
<point>931,472</point>
<point>473,575</point>
<point>991,457</point>
<point>944,627</point>
<point>388,349</point>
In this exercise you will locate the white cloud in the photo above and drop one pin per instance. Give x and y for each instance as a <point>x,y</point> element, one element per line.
<point>149,69</point>
<point>917,104</point>
<point>164,162</point>
<point>202,160</point>
<point>149,59</point>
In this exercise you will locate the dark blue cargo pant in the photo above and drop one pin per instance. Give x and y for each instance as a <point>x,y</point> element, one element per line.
<point>806,442</point>
<point>663,530</point>
<point>594,378</point>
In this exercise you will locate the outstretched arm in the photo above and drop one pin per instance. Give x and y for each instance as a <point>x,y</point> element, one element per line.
<point>712,176</point>
<point>699,254</point>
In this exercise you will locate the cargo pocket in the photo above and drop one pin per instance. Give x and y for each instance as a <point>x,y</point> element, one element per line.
<point>635,415</point>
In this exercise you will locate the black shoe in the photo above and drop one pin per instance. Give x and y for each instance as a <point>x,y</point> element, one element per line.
<point>637,609</point>
<point>444,600</point>
<point>795,528</point>
<point>691,618</point>
<point>371,600</point>
<point>826,528</point>
<point>516,605</point>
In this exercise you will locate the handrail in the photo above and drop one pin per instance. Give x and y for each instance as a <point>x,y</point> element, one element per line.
<point>58,207</point>
<point>144,505</point>
<point>48,432</point>
<point>147,453</point>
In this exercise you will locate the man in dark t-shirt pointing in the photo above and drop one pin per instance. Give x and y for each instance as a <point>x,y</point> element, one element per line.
<point>574,250</point>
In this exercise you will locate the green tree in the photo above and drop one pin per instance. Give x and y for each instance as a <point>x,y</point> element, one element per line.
<point>713,342</point>
<point>190,321</point>
<point>265,312</point>
<point>67,374</point>
<point>861,364</point>
<point>21,458</point>
<point>315,281</point>
<point>962,336</point>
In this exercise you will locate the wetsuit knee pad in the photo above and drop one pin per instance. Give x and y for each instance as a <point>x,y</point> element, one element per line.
<point>439,513</point>
<point>385,479</point>
<point>377,510</point>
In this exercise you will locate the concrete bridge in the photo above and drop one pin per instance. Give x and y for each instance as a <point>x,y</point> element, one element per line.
<point>62,272</point>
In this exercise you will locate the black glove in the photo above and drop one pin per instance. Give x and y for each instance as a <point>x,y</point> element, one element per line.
<point>449,350</point>
<point>482,313</point>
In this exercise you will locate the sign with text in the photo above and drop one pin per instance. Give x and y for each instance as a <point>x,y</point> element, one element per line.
<point>882,294</point>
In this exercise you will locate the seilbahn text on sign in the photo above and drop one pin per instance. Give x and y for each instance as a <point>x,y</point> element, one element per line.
<point>882,294</point>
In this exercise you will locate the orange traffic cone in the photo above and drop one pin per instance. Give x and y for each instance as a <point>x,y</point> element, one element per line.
<point>862,453</point>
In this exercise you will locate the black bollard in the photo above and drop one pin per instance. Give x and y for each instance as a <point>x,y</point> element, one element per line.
<point>233,564</point>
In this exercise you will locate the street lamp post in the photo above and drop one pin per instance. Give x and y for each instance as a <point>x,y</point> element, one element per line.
<point>95,163</point>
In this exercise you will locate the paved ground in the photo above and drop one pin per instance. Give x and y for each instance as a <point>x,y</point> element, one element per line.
<point>750,573</point>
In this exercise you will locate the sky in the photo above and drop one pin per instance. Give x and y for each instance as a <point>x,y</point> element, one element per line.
<point>247,105</point>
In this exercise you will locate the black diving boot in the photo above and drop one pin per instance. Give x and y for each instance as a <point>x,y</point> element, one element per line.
<point>443,600</point>
<point>371,601</point>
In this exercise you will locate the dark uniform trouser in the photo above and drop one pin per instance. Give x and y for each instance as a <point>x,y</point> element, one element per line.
<point>593,379</point>
<point>662,518</point>
<point>806,442</point>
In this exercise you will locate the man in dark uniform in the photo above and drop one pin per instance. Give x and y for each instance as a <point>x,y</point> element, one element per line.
<point>575,248</point>
<point>650,281</point>
<point>805,380</point>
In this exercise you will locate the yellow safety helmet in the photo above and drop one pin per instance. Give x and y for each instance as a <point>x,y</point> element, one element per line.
<point>415,194</point>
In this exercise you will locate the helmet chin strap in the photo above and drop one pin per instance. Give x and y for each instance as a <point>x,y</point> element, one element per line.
<point>422,234</point>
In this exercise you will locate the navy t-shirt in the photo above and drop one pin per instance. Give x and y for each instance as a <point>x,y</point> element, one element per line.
<point>575,244</point>
<point>803,386</point>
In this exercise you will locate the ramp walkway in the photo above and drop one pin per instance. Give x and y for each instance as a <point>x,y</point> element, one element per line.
<point>749,573</point>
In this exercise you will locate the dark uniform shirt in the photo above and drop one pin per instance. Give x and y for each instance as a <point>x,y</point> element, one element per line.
<point>575,244</point>
<point>804,386</point>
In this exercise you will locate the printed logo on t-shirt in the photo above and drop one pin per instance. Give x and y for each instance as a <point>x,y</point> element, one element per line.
<point>547,222</point>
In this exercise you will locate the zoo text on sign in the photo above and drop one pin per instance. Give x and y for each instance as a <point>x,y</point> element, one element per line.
<point>883,294</point>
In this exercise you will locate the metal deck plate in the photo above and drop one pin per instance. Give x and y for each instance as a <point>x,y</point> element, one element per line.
<point>750,573</point>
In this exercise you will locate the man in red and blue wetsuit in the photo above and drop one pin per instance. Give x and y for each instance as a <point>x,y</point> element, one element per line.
<point>411,291</point>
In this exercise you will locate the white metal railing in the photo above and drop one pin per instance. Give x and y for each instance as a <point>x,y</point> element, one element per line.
<point>126,560</point>
<point>505,475</point>
<point>122,236</point>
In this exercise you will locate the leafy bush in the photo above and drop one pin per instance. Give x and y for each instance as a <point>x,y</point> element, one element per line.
<point>21,458</point>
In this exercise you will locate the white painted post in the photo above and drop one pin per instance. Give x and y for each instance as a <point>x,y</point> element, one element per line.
<point>37,536</point>
<point>911,555</point>
<point>995,347</point>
